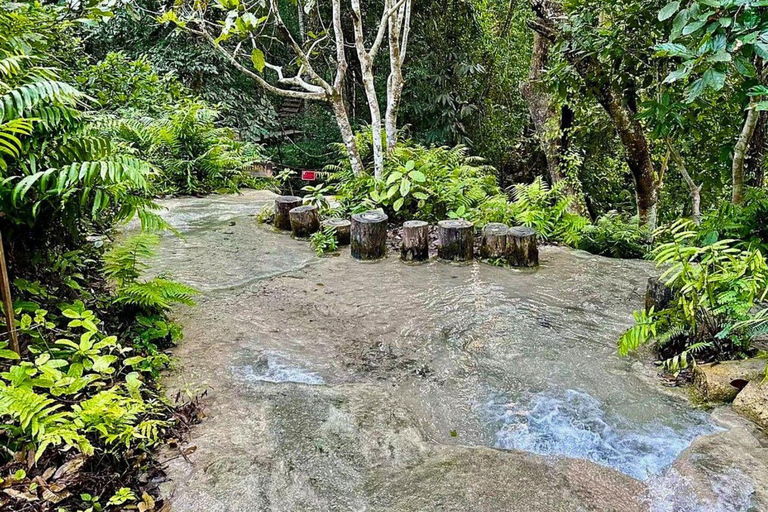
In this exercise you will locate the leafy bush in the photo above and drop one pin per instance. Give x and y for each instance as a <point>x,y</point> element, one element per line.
<point>418,183</point>
<point>717,286</point>
<point>615,236</point>
<point>77,392</point>
<point>191,154</point>
<point>118,82</point>
<point>745,222</point>
<point>535,205</point>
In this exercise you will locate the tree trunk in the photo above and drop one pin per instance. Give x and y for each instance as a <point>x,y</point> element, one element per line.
<point>740,152</point>
<point>694,189</point>
<point>347,135</point>
<point>522,249</point>
<point>283,206</point>
<point>549,120</point>
<point>455,240</point>
<point>342,227</point>
<point>305,221</point>
<point>399,27</point>
<point>369,235</point>
<point>494,243</point>
<point>415,244</point>
<point>753,164</point>
<point>617,103</point>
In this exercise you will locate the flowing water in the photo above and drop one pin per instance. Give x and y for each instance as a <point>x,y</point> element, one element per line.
<point>336,385</point>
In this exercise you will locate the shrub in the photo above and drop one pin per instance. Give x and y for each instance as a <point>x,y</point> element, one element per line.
<point>190,153</point>
<point>717,286</point>
<point>615,236</point>
<point>419,183</point>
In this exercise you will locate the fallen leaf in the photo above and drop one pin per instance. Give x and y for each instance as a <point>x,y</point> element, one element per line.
<point>69,467</point>
<point>20,495</point>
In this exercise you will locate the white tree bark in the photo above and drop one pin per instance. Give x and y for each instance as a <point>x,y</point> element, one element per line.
<point>366,67</point>
<point>399,25</point>
<point>740,152</point>
<point>307,84</point>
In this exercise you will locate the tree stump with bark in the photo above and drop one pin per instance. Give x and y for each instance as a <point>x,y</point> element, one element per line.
<point>342,227</point>
<point>455,240</point>
<point>494,241</point>
<point>305,220</point>
<point>283,207</point>
<point>415,244</point>
<point>658,295</point>
<point>522,250</point>
<point>369,235</point>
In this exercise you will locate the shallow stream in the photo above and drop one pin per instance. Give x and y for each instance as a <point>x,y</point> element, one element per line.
<point>337,385</point>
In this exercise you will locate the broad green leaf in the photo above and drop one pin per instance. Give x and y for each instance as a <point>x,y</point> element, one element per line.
<point>394,177</point>
<point>405,187</point>
<point>398,204</point>
<point>257,57</point>
<point>417,176</point>
<point>668,10</point>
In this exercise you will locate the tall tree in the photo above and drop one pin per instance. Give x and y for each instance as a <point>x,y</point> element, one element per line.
<point>244,30</point>
<point>618,100</point>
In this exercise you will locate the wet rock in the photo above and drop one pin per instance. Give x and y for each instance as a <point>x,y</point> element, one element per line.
<point>721,382</point>
<point>752,402</point>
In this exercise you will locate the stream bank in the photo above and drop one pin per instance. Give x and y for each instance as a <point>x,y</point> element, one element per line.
<point>336,385</point>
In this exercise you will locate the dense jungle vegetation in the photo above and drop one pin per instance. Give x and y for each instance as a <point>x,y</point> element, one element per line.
<point>625,128</point>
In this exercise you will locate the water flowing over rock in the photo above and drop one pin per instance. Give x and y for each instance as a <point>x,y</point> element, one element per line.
<point>339,386</point>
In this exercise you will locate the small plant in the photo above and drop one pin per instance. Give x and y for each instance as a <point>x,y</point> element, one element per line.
<point>324,241</point>
<point>616,237</point>
<point>316,195</point>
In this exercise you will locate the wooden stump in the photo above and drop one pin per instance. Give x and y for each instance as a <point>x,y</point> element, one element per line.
<point>369,235</point>
<point>304,221</point>
<point>415,244</point>
<point>455,240</point>
<point>521,247</point>
<point>494,243</point>
<point>658,295</point>
<point>342,227</point>
<point>283,206</point>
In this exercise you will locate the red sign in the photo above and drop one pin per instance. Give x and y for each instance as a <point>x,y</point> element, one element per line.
<point>308,175</point>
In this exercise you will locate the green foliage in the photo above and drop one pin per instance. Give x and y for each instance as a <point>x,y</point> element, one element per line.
<point>75,393</point>
<point>324,241</point>
<point>744,222</point>
<point>714,39</point>
<point>717,285</point>
<point>126,262</point>
<point>419,183</point>
<point>59,178</point>
<point>615,236</point>
<point>191,154</point>
<point>118,82</point>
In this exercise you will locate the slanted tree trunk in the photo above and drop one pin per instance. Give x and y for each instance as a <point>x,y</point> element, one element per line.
<point>617,103</point>
<point>693,188</point>
<point>753,166</point>
<point>740,153</point>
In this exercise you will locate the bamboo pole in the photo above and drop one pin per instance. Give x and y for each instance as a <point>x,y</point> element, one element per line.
<point>5,289</point>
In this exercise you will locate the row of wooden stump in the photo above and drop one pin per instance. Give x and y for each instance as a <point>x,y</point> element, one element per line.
<point>366,233</point>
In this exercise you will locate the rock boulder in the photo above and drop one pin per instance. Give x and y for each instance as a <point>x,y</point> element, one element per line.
<point>721,382</point>
<point>752,402</point>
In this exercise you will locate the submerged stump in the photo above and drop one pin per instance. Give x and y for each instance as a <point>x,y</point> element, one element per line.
<point>658,295</point>
<point>283,206</point>
<point>369,235</point>
<point>455,240</point>
<point>522,250</point>
<point>415,244</point>
<point>305,220</point>
<point>494,242</point>
<point>342,227</point>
